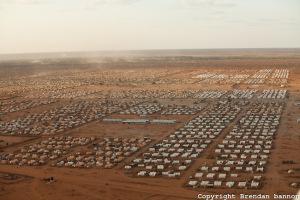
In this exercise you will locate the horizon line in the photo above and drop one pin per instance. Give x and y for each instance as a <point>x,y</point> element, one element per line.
<point>145,50</point>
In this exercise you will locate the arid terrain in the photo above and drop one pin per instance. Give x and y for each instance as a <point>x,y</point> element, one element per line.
<point>157,125</point>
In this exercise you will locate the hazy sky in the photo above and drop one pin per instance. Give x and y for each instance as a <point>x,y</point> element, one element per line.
<point>83,25</point>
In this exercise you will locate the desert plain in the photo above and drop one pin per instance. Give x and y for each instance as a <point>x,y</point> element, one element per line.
<point>150,125</point>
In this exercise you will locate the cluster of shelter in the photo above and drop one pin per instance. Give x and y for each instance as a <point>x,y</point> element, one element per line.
<point>40,153</point>
<point>181,110</point>
<point>255,81</point>
<point>129,77</point>
<point>106,153</point>
<point>174,154</point>
<point>241,94</point>
<point>233,94</point>
<point>64,94</point>
<point>272,94</point>
<point>58,119</point>
<point>18,105</point>
<point>280,82</point>
<point>215,78</point>
<point>259,77</point>
<point>226,79</point>
<point>140,95</point>
<point>278,77</point>
<point>192,94</point>
<point>241,158</point>
<point>236,79</point>
<point>124,93</point>
<point>210,94</point>
<point>11,92</point>
<point>253,93</point>
<point>174,80</point>
<point>41,82</point>
<point>204,76</point>
<point>177,94</point>
<point>32,87</point>
<point>281,74</point>
<point>262,74</point>
<point>143,109</point>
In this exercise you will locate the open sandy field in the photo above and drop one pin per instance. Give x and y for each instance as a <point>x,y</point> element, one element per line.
<point>150,126</point>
